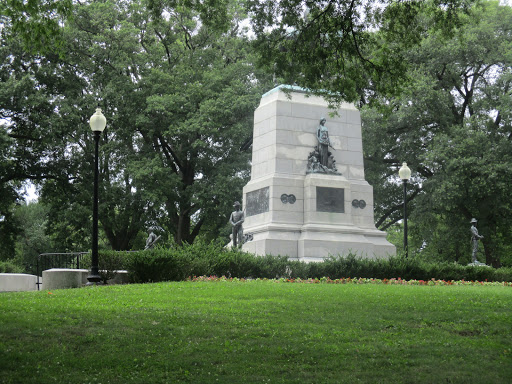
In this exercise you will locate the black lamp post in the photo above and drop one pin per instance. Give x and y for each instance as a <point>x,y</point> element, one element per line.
<point>97,123</point>
<point>405,175</point>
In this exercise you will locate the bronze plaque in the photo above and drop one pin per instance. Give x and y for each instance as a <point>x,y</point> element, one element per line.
<point>330,199</point>
<point>257,201</point>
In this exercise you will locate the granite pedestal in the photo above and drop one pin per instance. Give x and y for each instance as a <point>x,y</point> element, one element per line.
<point>308,216</point>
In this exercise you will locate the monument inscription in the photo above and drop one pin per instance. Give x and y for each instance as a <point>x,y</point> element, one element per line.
<point>257,201</point>
<point>330,199</point>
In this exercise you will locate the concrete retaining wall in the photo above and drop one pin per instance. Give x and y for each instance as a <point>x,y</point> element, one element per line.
<point>17,282</point>
<point>58,278</point>
<point>121,277</point>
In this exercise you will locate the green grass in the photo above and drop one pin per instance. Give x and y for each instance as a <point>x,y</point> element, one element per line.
<point>256,332</point>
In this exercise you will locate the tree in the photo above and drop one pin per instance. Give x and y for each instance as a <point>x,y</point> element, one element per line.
<point>473,180</point>
<point>453,125</point>
<point>19,147</point>
<point>31,239</point>
<point>331,46</point>
<point>179,97</point>
<point>36,22</point>
<point>198,112</point>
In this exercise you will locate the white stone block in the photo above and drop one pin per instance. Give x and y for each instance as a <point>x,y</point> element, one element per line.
<point>283,108</point>
<point>293,152</point>
<point>354,145</point>
<point>121,277</point>
<point>17,282</point>
<point>288,151</point>
<point>285,166</point>
<point>354,172</point>
<point>266,126</point>
<point>363,221</point>
<point>335,128</point>
<point>354,131</point>
<point>277,242</point>
<point>264,140</point>
<point>279,190</point>
<point>307,140</point>
<point>264,112</point>
<point>308,111</point>
<point>288,181</point>
<point>263,169</point>
<point>284,137</point>
<point>354,117</point>
<point>339,143</point>
<point>296,125</point>
<point>59,278</point>
<point>352,158</point>
<point>321,244</point>
<point>264,154</point>
<point>287,216</point>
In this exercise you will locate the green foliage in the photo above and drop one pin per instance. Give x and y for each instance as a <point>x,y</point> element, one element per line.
<point>410,269</point>
<point>10,266</point>
<point>31,238</point>
<point>452,125</point>
<point>200,259</point>
<point>178,94</point>
<point>109,263</point>
<point>36,22</point>
<point>329,47</point>
<point>7,235</point>
<point>212,259</point>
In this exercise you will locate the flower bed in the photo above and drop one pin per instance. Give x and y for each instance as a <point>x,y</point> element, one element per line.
<point>349,280</point>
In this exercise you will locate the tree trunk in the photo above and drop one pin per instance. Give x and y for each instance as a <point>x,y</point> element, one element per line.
<point>490,259</point>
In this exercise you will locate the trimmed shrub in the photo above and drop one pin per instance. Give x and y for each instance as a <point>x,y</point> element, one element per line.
<point>212,259</point>
<point>109,262</point>
<point>10,267</point>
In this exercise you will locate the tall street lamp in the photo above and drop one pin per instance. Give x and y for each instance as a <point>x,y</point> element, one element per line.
<point>97,123</point>
<point>405,175</point>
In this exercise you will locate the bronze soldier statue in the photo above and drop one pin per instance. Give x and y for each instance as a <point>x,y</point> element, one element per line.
<point>474,239</point>
<point>236,219</point>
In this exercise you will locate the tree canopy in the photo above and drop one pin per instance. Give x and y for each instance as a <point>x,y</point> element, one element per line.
<point>331,46</point>
<point>36,22</point>
<point>453,125</point>
<point>178,81</point>
<point>178,96</point>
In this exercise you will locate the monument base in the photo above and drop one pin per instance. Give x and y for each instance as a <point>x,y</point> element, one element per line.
<point>274,240</point>
<point>319,241</point>
<point>313,243</point>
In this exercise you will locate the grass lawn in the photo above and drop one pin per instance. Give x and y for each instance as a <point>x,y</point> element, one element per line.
<point>258,331</point>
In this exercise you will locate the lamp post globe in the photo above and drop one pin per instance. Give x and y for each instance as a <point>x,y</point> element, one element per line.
<point>97,123</point>
<point>404,172</point>
<point>405,175</point>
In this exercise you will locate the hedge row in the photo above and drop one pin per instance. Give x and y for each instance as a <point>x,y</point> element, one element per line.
<point>10,267</point>
<point>199,259</point>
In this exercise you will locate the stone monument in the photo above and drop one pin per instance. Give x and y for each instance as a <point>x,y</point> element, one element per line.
<point>307,197</point>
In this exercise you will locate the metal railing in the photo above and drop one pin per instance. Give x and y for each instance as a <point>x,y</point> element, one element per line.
<point>46,261</point>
